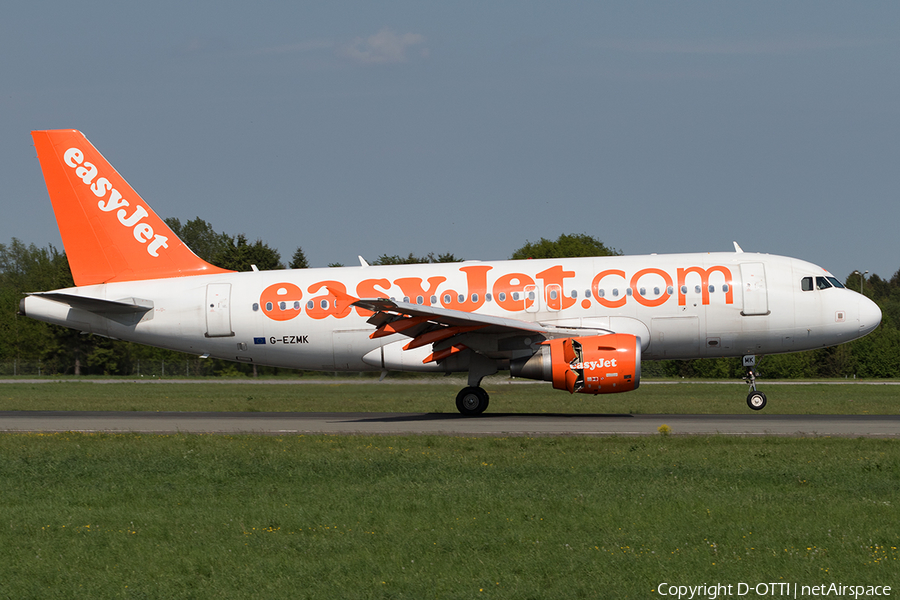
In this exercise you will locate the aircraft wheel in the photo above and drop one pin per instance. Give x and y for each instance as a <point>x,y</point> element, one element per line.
<point>472,401</point>
<point>756,400</point>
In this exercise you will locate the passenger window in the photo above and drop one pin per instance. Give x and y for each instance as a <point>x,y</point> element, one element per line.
<point>474,297</point>
<point>684,289</point>
<point>256,307</point>
<point>487,297</point>
<point>574,293</point>
<point>696,289</point>
<point>806,284</point>
<point>553,295</point>
<point>822,283</point>
<point>434,299</point>
<point>420,300</point>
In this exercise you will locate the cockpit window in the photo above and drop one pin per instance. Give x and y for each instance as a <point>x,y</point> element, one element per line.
<point>822,283</point>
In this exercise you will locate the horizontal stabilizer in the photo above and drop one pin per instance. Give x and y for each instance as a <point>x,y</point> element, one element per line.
<point>99,306</point>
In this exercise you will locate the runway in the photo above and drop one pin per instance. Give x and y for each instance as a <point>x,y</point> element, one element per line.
<point>874,426</point>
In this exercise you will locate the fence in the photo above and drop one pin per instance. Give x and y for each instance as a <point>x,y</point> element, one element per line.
<point>141,368</point>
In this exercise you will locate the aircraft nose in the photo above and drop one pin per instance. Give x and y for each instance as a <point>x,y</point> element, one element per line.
<point>869,315</point>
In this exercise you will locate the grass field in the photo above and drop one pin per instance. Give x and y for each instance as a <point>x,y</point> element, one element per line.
<point>207,516</point>
<point>411,396</point>
<point>439,517</point>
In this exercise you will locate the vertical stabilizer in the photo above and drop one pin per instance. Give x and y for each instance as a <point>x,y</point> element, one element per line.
<point>109,232</point>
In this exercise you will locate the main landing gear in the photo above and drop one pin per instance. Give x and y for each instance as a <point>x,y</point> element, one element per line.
<point>755,399</point>
<point>472,401</point>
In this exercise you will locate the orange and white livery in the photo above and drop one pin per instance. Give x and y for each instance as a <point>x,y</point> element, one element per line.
<point>583,324</point>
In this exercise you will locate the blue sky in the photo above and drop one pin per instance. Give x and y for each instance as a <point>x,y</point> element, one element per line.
<point>470,127</point>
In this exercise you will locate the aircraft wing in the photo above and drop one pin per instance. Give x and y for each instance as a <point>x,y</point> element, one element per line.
<point>444,316</point>
<point>453,330</point>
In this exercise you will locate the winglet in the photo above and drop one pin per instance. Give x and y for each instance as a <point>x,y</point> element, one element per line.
<point>737,248</point>
<point>108,231</point>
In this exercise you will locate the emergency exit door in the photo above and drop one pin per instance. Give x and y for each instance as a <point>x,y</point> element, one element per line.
<point>218,310</point>
<point>753,284</point>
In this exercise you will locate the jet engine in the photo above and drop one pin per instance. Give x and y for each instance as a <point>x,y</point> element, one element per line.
<point>597,364</point>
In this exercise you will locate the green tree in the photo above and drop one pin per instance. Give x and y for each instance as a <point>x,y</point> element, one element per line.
<point>27,268</point>
<point>239,255</point>
<point>565,246</point>
<point>298,261</point>
<point>200,237</point>
<point>384,259</point>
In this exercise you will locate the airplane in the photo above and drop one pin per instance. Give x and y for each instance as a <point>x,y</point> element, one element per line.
<point>583,324</point>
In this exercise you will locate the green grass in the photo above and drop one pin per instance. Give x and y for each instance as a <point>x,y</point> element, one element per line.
<point>439,517</point>
<point>372,396</point>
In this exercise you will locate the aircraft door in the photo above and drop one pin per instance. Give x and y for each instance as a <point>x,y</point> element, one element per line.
<point>753,284</point>
<point>218,310</point>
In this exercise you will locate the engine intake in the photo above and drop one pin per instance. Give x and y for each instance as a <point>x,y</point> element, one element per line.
<point>597,364</point>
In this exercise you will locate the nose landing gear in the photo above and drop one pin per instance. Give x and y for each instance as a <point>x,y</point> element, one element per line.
<point>755,399</point>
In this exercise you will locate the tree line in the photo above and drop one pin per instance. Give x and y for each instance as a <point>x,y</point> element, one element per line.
<point>30,347</point>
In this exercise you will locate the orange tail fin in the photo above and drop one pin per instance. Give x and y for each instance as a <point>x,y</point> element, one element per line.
<point>109,232</point>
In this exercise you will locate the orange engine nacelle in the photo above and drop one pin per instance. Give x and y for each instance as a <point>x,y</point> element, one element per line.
<point>597,364</point>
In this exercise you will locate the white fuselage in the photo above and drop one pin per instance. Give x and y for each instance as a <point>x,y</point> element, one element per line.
<point>679,305</point>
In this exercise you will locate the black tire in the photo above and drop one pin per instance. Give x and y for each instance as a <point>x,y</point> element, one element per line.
<point>472,401</point>
<point>756,400</point>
